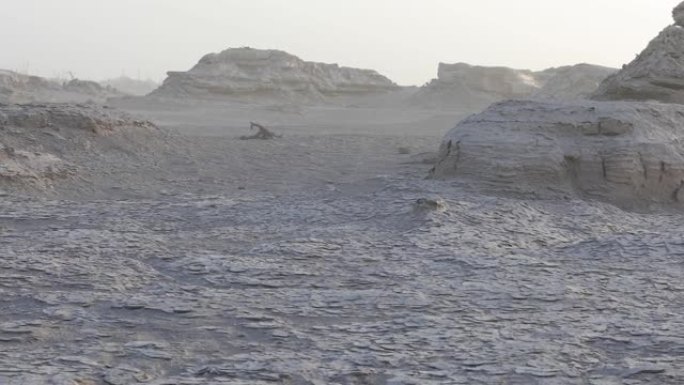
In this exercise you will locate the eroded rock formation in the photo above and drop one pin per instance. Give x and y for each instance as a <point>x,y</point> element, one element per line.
<point>626,153</point>
<point>474,87</point>
<point>19,88</point>
<point>657,73</point>
<point>252,74</point>
<point>43,143</point>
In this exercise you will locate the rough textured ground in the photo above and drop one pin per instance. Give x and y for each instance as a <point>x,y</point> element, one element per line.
<point>307,260</point>
<point>333,287</point>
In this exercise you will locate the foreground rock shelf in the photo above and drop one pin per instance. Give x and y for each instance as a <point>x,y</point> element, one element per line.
<point>626,153</point>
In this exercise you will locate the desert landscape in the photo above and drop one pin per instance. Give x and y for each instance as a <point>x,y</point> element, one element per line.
<point>263,219</point>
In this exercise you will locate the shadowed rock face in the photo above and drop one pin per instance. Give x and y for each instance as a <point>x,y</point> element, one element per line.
<point>245,72</point>
<point>625,153</point>
<point>656,74</point>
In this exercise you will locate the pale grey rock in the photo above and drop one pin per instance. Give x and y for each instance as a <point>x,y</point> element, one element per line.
<point>427,204</point>
<point>570,82</point>
<point>657,73</point>
<point>467,87</point>
<point>38,137</point>
<point>253,74</point>
<point>131,86</point>
<point>472,88</point>
<point>626,153</point>
<point>20,88</point>
<point>16,87</point>
<point>88,87</point>
<point>678,14</point>
<point>502,81</point>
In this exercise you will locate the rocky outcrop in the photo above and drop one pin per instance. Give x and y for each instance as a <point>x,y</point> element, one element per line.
<point>627,153</point>
<point>98,120</point>
<point>251,75</point>
<point>30,167</point>
<point>462,86</point>
<point>16,87</point>
<point>472,88</point>
<point>678,14</point>
<point>501,82</point>
<point>41,144</point>
<point>656,74</point>
<point>131,86</point>
<point>19,88</point>
<point>88,87</point>
<point>619,149</point>
<point>570,82</point>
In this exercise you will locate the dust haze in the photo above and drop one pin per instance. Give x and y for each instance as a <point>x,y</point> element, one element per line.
<point>232,193</point>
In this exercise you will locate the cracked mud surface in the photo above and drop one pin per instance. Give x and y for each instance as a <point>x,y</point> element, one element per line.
<point>332,287</point>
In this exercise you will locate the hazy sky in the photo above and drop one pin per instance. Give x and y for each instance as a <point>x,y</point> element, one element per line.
<point>402,39</point>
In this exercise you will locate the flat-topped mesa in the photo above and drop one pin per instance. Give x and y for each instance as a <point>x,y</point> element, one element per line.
<point>657,73</point>
<point>252,73</point>
<point>473,88</point>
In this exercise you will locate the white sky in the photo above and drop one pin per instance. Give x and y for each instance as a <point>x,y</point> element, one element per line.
<point>402,39</point>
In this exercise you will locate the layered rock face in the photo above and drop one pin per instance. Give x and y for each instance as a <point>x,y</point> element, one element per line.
<point>474,87</point>
<point>250,73</point>
<point>630,154</point>
<point>657,73</point>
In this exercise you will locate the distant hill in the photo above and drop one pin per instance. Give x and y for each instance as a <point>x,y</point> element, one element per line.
<point>247,74</point>
<point>19,88</point>
<point>131,86</point>
<point>471,87</point>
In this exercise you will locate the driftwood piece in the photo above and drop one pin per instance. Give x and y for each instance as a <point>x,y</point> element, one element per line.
<point>263,133</point>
